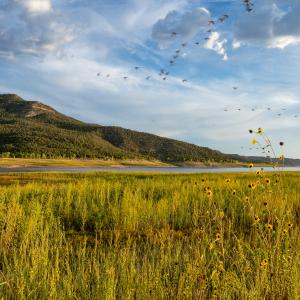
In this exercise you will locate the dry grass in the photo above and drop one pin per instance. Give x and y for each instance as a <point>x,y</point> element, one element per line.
<point>137,236</point>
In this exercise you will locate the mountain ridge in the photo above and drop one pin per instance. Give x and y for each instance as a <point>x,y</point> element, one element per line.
<point>33,129</point>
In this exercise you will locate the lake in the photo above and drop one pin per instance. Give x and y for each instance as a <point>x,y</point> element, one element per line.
<point>146,169</point>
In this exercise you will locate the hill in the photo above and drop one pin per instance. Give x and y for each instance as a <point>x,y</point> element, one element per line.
<point>33,129</point>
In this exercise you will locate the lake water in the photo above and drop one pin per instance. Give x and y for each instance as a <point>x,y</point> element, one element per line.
<point>145,169</point>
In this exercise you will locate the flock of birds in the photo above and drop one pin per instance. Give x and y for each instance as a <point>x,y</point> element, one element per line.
<point>180,52</point>
<point>164,73</point>
<point>268,109</point>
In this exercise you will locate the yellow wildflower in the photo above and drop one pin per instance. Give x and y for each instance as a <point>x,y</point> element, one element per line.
<point>260,131</point>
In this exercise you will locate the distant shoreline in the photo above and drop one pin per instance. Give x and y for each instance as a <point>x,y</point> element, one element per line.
<point>12,163</point>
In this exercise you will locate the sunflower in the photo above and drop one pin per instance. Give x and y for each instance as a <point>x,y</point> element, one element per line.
<point>260,131</point>
<point>263,263</point>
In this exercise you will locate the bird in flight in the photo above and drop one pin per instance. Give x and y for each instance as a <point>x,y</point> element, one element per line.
<point>184,44</point>
<point>235,88</point>
<point>184,80</point>
<point>249,5</point>
<point>148,77</point>
<point>137,68</point>
<point>223,18</point>
<point>125,77</point>
<point>98,74</point>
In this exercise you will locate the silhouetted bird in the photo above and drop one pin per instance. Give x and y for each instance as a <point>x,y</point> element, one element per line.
<point>223,18</point>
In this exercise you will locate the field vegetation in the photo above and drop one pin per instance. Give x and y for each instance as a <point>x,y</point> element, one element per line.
<point>149,236</point>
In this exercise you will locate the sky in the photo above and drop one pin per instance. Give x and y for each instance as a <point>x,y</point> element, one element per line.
<point>80,57</point>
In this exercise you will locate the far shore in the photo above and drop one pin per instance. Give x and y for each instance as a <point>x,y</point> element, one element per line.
<point>95,163</point>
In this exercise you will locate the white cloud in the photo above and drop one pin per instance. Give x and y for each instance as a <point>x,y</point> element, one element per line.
<point>32,27</point>
<point>36,6</point>
<point>216,44</point>
<point>186,26</point>
<point>270,25</point>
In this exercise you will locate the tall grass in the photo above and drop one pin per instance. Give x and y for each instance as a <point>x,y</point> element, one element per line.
<point>117,236</point>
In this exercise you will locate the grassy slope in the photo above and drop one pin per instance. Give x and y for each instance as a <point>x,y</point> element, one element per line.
<point>66,236</point>
<point>32,127</point>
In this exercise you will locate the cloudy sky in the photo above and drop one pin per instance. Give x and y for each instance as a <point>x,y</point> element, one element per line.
<point>74,55</point>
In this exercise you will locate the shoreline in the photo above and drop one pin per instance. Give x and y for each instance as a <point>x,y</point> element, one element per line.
<point>24,163</point>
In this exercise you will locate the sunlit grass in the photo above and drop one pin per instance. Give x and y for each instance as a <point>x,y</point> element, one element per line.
<point>139,236</point>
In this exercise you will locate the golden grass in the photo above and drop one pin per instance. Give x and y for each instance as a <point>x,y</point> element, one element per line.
<point>147,236</point>
<point>75,163</point>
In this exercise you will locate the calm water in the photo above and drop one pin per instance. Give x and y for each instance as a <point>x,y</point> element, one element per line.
<point>146,169</point>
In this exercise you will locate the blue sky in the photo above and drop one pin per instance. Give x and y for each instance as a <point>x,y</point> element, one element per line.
<point>52,50</point>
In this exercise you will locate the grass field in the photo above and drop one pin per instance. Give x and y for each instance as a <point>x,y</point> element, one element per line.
<point>149,236</point>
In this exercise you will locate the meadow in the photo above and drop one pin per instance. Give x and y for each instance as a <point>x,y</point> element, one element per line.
<point>149,236</point>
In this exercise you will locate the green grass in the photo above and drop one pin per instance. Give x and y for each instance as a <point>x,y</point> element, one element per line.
<point>149,236</point>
